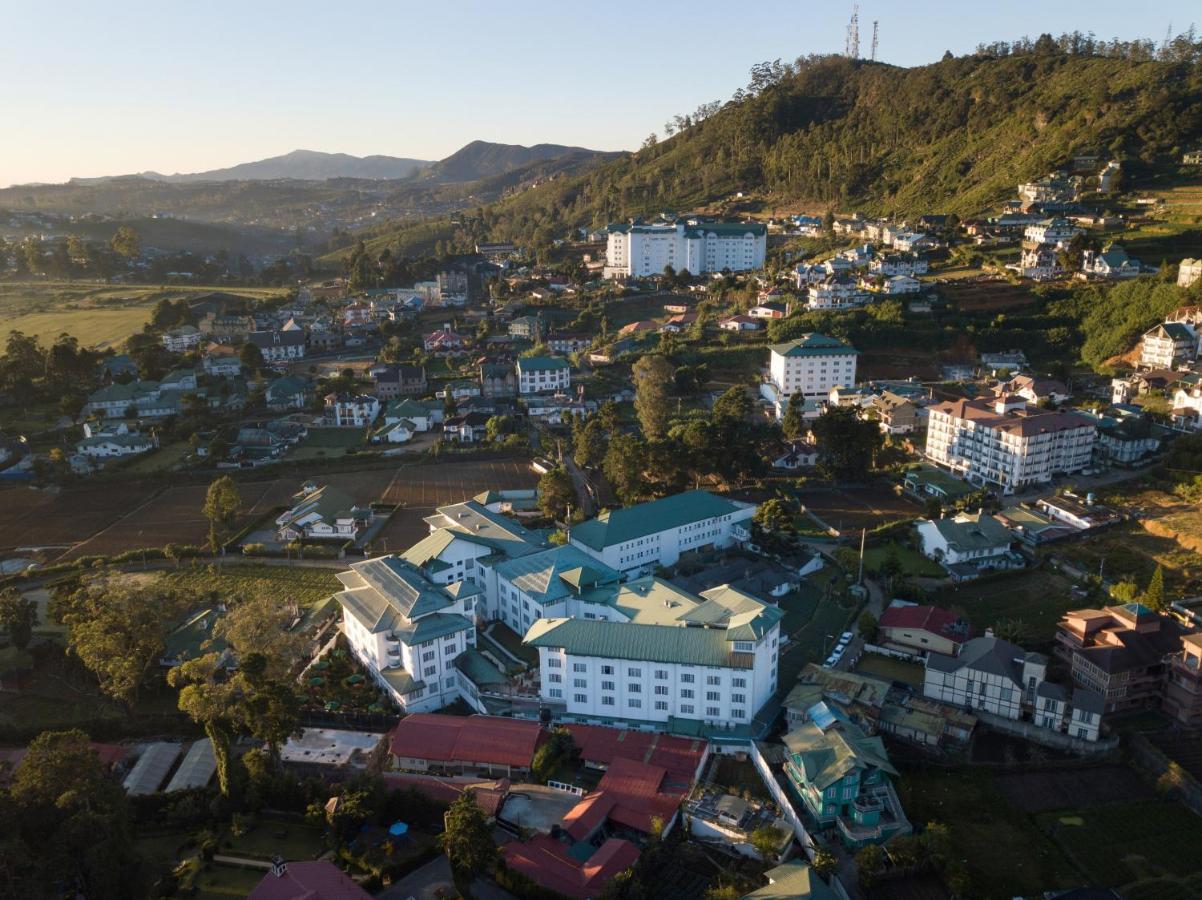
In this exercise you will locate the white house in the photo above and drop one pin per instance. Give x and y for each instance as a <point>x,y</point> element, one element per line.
<point>834,292</point>
<point>638,539</point>
<point>352,410</point>
<point>1056,232</point>
<point>654,653</point>
<point>277,346</point>
<point>1188,272</point>
<point>110,442</point>
<point>976,538</point>
<point>322,513</point>
<point>638,250</point>
<point>989,674</point>
<point>1168,344</point>
<point>1005,441</point>
<point>740,323</point>
<point>540,374</point>
<point>1112,263</point>
<point>899,264</point>
<point>182,339</point>
<point>407,631</point>
<point>902,284</point>
<point>810,366</point>
<point>397,431</point>
<point>221,361</point>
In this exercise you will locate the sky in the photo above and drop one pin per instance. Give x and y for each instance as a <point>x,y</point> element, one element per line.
<point>189,85</point>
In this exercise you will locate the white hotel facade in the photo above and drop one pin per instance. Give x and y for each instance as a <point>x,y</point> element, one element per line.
<point>1007,442</point>
<point>637,250</point>
<point>812,366</point>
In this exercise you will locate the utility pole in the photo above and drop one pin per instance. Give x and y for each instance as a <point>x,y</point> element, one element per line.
<point>852,51</point>
<point>875,32</point>
<point>863,536</point>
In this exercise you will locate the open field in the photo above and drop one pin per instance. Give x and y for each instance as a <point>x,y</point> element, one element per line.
<point>913,563</point>
<point>306,585</point>
<point>97,314</point>
<point>849,509</point>
<point>1037,597</point>
<point>906,361</point>
<point>987,296</point>
<point>1042,791</point>
<point>890,669</point>
<point>130,515</point>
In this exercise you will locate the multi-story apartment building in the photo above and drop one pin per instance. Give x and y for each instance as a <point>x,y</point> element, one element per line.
<point>811,366</point>
<point>279,345</point>
<point>1168,344</point>
<point>1007,442</point>
<point>182,339</point>
<point>834,292</point>
<point>656,653</point>
<point>1183,688</point>
<point>540,374</point>
<point>638,539</point>
<point>351,410</point>
<point>407,631</point>
<point>1125,653</point>
<point>637,250</point>
<point>1056,232</point>
<point>899,264</point>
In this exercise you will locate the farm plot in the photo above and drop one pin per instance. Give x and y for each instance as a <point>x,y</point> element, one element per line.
<point>1037,598</point>
<point>987,296</point>
<point>34,518</point>
<point>852,508</point>
<point>1038,792</point>
<point>307,586</point>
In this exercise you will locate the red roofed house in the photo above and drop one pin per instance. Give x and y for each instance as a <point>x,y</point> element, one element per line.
<point>547,862</point>
<point>630,795</point>
<point>681,757</point>
<point>478,744</point>
<point>317,880</point>
<point>920,629</point>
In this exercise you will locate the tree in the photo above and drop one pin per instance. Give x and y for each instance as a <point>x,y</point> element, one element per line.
<point>653,377</point>
<point>497,427</point>
<point>558,750</point>
<point>126,242</point>
<point>732,408</point>
<point>589,442</point>
<point>118,630</point>
<point>869,863</point>
<point>1125,592</point>
<point>261,625</point>
<point>207,697</point>
<point>624,465</point>
<point>1153,596</point>
<point>766,840</point>
<point>251,357</point>
<point>556,493</point>
<point>933,508</point>
<point>467,841</point>
<point>18,616</point>
<point>221,507</point>
<point>846,444</point>
<point>773,516</point>
<point>792,423</point>
<point>825,863</point>
<point>867,625</point>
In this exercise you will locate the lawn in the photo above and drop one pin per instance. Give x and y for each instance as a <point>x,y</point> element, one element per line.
<point>307,585</point>
<point>271,837</point>
<point>1037,597</point>
<point>160,460</point>
<point>913,563</point>
<point>327,442</point>
<point>891,669</point>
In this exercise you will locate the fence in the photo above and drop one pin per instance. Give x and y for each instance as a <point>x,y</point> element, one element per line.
<point>895,654</point>
<point>1045,736</point>
<point>567,788</point>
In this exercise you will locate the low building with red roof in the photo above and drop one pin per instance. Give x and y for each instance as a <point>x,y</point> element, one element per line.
<point>920,629</point>
<point>478,744</point>
<point>555,865</point>
<point>601,746</point>
<point>315,880</point>
<point>629,797</point>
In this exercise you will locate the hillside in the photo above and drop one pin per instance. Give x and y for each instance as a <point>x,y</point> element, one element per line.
<point>954,136</point>
<point>304,165</point>
<point>481,159</point>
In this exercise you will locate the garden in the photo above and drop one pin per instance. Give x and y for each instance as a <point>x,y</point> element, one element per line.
<point>336,683</point>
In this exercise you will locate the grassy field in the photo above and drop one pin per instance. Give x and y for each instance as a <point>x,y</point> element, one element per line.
<point>913,563</point>
<point>891,669</point>
<point>1037,597</point>
<point>308,586</point>
<point>98,315</point>
<point>328,442</point>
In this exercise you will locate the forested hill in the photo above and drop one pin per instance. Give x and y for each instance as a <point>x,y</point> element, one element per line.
<point>954,136</point>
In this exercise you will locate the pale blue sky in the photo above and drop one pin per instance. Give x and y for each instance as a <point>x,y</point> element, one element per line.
<point>185,85</point>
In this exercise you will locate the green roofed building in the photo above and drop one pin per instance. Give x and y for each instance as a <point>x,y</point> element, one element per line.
<point>542,374</point>
<point>638,539</point>
<point>794,880</point>
<point>645,650</point>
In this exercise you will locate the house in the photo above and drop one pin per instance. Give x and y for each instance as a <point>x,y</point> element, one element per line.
<point>307,880</point>
<point>637,250</point>
<point>287,392</point>
<point>654,652</point>
<point>351,410</point>
<point>1007,442</point>
<point>925,481</point>
<point>796,455</point>
<point>182,339</point>
<point>1192,158</point>
<point>988,674</point>
<point>843,777</point>
<point>322,513</point>
<point>678,323</point>
<point>567,342</point>
<point>891,264</point>
<point>968,543</point>
<point>557,866</point>
<point>226,329</point>
<point>465,745</point>
<point>769,311</point>
<point>528,327</point>
<point>1169,344</point>
<point>1183,683</point>
<point>921,629</point>
<point>1187,408</point>
<point>1082,513</point>
<point>834,292</point>
<point>107,443</point>
<point>498,380</point>
<point>443,340</point>
<point>793,880</point>
<point>469,428</point>
<point>398,431</point>
<point>538,374</point>
<point>638,539</point>
<point>642,326</point>
<point>556,409</point>
<point>1189,272</point>
<point>417,414</point>
<point>1004,360</point>
<point>121,364</point>
<point>1034,390</point>
<point>399,381</point>
<point>459,390</point>
<point>1122,653</point>
<point>740,323</point>
<point>278,346</point>
<point>408,631</point>
<point>896,414</point>
<point>1112,263</point>
<point>811,366</point>
<point>221,361</point>
<point>896,285</point>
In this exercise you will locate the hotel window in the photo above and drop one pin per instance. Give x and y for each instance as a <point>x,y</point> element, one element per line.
<point>634,703</point>
<point>686,679</point>
<point>556,692</point>
<point>579,682</point>
<point>555,679</point>
<point>554,662</point>
<point>607,701</point>
<point>713,711</point>
<point>579,667</point>
<point>686,710</point>
<point>738,682</point>
<point>713,679</point>
<point>607,670</point>
<point>737,714</point>
<point>737,698</point>
<point>428,656</point>
<point>635,673</point>
<point>661,674</point>
<point>430,670</point>
<point>713,695</point>
<point>607,685</point>
<point>634,688</point>
<point>580,698</point>
<point>661,689</point>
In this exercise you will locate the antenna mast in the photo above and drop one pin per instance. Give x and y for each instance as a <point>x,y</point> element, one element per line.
<point>875,31</point>
<point>853,33</point>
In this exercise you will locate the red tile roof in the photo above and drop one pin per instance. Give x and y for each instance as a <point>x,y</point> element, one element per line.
<point>630,793</point>
<point>482,740</point>
<point>490,795</point>
<point>926,618</point>
<point>601,746</point>
<point>546,861</point>
<point>318,880</point>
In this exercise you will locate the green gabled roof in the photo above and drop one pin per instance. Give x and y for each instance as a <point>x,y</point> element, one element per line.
<point>135,390</point>
<point>621,525</point>
<point>973,531</point>
<point>429,547</point>
<point>429,628</point>
<point>405,409</point>
<point>401,681</point>
<point>541,363</point>
<point>794,880</point>
<point>813,344</point>
<point>627,640</point>
<point>550,575</point>
<point>825,757</point>
<point>382,430</point>
<point>287,386</point>
<point>475,665</point>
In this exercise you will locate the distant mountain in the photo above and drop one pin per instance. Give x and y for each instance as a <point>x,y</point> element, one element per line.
<point>305,165</point>
<point>482,159</point>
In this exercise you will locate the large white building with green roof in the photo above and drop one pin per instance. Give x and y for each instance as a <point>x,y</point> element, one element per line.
<point>639,539</point>
<point>542,374</point>
<point>637,250</point>
<point>812,366</point>
<point>649,652</point>
<point>407,631</point>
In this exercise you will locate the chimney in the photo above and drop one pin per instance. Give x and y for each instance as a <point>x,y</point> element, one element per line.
<point>278,867</point>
